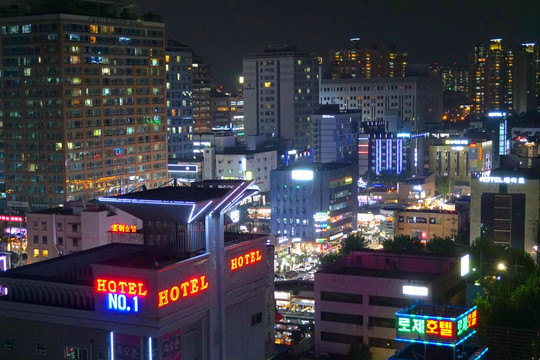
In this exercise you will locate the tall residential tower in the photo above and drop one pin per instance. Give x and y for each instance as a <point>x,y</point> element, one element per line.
<point>83,107</point>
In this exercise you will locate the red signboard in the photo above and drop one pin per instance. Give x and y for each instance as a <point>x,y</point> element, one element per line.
<point>121,228</point>
<point>11,218</point>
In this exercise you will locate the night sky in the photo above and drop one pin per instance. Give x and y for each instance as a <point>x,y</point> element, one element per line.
<point>222,31</point>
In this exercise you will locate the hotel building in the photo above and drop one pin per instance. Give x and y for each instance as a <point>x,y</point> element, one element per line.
<point>356,299</point>
<point>505,207</point>
<point>190,292</point>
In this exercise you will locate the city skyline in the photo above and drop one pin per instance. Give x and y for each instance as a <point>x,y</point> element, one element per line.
<point>222,32</point>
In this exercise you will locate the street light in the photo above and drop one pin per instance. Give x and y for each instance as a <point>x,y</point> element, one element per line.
<point>501,267</point>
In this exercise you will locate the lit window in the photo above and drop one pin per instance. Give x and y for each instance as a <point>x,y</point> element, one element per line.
<point>36,253</point>
<point>267,84</point>
<point>45,253</point>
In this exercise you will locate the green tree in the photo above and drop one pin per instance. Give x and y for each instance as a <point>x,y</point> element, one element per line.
<point>369,177</point>
<point>443,185</point>
<point>442,246</point>
<point>359,351</point>
<point>484,254</point>
<point>329,258</point>
<point>353,242</point>
<point>403,244</point>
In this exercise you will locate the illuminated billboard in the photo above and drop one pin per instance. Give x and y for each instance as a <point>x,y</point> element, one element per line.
<point>441,325</point>
<point>302,175</point>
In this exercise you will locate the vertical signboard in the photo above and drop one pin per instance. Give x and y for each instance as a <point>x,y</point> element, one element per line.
<point>171,345</point>
<point>127,347</point>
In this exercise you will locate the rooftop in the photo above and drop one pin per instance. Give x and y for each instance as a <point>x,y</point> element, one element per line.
<point>432,309</point>
<point>183,203</point>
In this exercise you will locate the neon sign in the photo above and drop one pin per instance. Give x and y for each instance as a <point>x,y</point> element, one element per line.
<point>246,259</point>
<point>435,329</point>
<point>11,218</point>
<point>501,180</point>
<point>122,296</point>
<point>456,142</point>
<point>185,289</point>
<point>121,228</point>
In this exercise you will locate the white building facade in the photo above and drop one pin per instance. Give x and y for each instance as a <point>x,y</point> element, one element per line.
<point>280,92</point>
<point>404,103</point>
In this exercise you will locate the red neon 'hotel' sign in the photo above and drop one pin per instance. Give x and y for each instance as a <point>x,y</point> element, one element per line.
<point>246,259</point>
<point>185,289</point>
<point>121,292</point>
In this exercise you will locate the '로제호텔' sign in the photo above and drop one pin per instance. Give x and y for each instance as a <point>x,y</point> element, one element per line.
<point>448,326</point>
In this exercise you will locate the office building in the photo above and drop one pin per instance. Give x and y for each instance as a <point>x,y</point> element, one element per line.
<point>491,81</point>
<point>505,208</point>
<point>76,227</point>
<point>281,92</point>
<point>357,62</point>
<point>404,104</point>
<point>426,224</point>
<point>386,152</point>
<point>90,92</point>
<point>356,299</point>
<point>458,158</point>
<point>227,113</point>
<point>178,62</point>
<point>313,202</point>
<point>190,292</point>
<point>335,135</point>
<point>417,189</point>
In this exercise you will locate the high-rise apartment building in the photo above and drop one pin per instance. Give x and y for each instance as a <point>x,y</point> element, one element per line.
<point>280,92</point>
<point>358,62</point>
<point>201,96</point>
<point>527,78</point>
<point>83,107</point>
<point>491,80</point>
<point>454,77</point>
<point>179,59</point>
